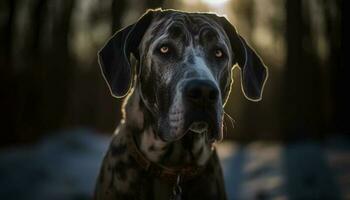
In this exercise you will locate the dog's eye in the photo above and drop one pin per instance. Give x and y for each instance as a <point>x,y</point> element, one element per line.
<point>218,53</point>
<point>164,49</point>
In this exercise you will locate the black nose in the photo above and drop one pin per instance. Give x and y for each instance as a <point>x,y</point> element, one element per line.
<point>202,92</point>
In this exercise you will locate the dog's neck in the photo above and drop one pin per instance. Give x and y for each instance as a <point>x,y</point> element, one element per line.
<point>176,153</point>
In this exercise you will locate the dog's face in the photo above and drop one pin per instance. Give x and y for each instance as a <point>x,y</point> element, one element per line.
<point>184,72</point>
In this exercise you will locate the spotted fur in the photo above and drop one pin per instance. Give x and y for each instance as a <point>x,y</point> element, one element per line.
<point>156,113</point>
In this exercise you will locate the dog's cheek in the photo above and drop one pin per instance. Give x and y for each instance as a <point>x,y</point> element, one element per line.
<point>163,97</point>
<point>225,83</point>
<point>147,84</point>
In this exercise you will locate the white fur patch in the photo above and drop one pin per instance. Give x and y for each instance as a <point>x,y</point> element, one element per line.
<point>148,139</point>
<point>176,118</point>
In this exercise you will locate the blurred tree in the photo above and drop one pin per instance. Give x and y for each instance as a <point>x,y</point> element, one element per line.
<point>9,84</point>
<point>245,11</point>
<point>335,30</point>
<point>299,118</point>
<point>307,78</point>
<point>43,85</point>
<point>8,10</point>
<point>117,10</point>
<point>30,75</point>
<point>45,68</point>
<point>154,3</point>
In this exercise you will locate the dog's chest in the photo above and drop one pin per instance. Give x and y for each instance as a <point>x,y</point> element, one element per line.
<point>122,176</point>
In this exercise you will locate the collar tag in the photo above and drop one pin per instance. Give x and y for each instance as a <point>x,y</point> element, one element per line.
<point>177,190</point>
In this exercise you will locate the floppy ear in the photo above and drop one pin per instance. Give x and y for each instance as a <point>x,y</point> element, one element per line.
<point>114,57</point>
<point>254,73</point>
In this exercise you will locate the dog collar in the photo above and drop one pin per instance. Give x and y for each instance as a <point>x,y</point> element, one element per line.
<point>168,174</point>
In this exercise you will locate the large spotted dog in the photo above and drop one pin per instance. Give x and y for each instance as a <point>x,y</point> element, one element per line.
<point>164,147</point>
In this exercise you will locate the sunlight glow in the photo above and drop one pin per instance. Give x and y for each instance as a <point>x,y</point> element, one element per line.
<point>215,2</point>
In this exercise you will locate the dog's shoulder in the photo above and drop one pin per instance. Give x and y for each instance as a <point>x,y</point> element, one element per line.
<point>117,170</point>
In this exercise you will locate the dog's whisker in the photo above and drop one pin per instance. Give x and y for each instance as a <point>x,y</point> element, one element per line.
<point>231,119</point>
<point>225,127</point>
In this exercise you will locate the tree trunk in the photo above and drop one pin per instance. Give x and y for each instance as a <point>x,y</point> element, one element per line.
<point>8,85</point>
<point>303,110</point>
<point>117,13</point>
<point>334,23</point>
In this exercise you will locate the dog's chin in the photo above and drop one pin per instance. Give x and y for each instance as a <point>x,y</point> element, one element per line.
<point>200,129</point>
<point>203,123</point>
<point>197,129</point>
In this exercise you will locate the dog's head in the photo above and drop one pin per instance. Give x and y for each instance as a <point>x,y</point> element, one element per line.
<point>184,69</point>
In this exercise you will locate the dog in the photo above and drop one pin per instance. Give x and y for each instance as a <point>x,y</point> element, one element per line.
<point>175,91</point>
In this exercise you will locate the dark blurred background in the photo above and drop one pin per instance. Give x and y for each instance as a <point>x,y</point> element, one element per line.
<point>50,79</point>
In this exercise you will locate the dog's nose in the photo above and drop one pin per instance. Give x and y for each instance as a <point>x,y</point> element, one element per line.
<point>202,92</point>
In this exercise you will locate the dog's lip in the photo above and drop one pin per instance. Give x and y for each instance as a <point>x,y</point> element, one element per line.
<point>209,140</point>
<point>202,133</point>
<point>199,127</point>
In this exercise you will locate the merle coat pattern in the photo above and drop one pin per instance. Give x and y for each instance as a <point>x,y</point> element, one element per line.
<point>175,93</point>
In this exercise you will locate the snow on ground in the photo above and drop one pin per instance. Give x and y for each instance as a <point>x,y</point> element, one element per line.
<point>62,166</point>
<point>65,165</point>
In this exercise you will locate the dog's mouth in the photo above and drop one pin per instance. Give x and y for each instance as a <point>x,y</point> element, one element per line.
<point>211,132</point>
<point>197,122</point>
<point>199,127</point>
<point>205,123</point>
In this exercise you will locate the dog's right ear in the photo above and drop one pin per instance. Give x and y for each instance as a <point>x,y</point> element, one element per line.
<point>114,57</point>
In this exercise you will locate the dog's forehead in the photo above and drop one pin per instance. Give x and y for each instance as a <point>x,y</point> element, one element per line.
<point>191,23</point>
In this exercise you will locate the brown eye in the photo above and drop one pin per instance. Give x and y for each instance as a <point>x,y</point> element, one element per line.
<point>218,53</point>
<point>164,49</point>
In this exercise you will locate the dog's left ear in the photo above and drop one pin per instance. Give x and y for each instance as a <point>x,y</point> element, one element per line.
<point>254,73</point>
<point>114,57</point>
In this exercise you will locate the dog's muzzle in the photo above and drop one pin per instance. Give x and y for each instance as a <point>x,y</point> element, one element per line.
<point>201,98</point>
